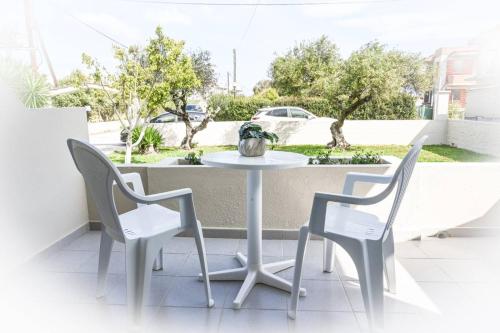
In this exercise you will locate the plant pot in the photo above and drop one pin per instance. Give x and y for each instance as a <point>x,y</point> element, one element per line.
<point>252,147</point>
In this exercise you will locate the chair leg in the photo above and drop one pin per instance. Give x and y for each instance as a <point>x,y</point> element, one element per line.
<point>328,255</point>
<point>139,261</point>
<point>389,263</point>
<point>200,245</point>
<point>297,275</point>
<point>158,264</point>
<point>369,264</point>
<point>104,257</point>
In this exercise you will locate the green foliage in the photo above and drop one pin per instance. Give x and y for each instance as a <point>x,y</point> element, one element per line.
<point>305,69</point>
<point>360,157</point>
<point>270,94</point>
<point>194,158</point>
<point>152,137</point>
<point>205,71</point>
<point>31,87</point>
<point>400,106</point>
<point>430,153</point>
<point>35,90</point>
<point>367,157</point>
<point>261,85</point>
<point>373,83</point>
<point>228,108</point>
<point>251,130</point>
<point>455,111</point>
<point>101,107</point>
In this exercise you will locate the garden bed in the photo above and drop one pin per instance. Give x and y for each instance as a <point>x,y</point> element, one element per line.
<point>430,153</point>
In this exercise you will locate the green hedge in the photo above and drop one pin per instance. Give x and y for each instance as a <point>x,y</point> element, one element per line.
<point>242,108</point>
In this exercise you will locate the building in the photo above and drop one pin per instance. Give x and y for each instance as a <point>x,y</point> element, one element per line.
<point>455,75</point>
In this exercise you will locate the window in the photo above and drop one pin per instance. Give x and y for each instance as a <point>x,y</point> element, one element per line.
<point>298,113</point>
<point>279,113</point>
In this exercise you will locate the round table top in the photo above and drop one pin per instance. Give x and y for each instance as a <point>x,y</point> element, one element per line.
<point>271,160</point>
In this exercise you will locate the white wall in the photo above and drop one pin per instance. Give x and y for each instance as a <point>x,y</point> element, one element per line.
<point>479,136</point>
<point>483,102</point>
<point>42,195</point>
<point>440,196</point>
<point>359,132</point>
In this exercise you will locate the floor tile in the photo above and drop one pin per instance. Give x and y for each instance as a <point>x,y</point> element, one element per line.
<point>323,296</point>
<point>183,245</point>
<point>423,270</point>
<point>470,270</point>
<point>215,262</point>
<point>316,321</point>
<point>251,321</point>
<point>397,323</point>
<point>397,303</point>
<point>270,247</point>
<point>185,320</point>
<point>67,261</point>
<point>221,246</point>
<point>261,297</point>
<point>190,292</point>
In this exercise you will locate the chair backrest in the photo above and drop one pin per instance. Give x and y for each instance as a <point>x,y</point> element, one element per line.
<point>401,179</point>
<point>99,174</point>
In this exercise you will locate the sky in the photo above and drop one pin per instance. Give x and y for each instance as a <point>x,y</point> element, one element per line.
<point>259,33</point>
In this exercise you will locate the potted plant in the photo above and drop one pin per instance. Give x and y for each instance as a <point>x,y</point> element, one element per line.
<point>253,140</point>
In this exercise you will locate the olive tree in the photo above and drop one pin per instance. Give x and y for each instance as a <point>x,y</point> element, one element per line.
<point>372,74</point>
<point>304,70</point>
<point>181,75</point>
<point>129,89</point>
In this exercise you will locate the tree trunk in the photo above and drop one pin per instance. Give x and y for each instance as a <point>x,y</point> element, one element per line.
<point>128,150</point>
<point>338,139</point>
<point>187,141</point>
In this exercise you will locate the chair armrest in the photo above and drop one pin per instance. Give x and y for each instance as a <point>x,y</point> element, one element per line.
<point>136,181</point>
<point>153,198</point>
<point>353,177</point>
<point>347,198</point>
<point>368,178</point>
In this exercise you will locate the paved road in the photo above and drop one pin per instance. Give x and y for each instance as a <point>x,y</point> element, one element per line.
<point>107,142</point>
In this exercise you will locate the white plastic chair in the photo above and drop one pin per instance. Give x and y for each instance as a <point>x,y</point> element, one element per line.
<point>368,240</point>
<point>144,230</point>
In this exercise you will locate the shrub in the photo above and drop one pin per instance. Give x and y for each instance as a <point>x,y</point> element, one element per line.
<point>242,108</point>
<point>269,93</point>
<point>152,137</point>
<point>194,158</point>
<point>367,157</point>
<point>401,106</point>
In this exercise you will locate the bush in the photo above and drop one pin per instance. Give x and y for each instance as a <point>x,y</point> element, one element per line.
<point>152,137</point>
<point>242,108</point>
<point>237,108</point>
<point>400,107</point>
<point>269,93</point>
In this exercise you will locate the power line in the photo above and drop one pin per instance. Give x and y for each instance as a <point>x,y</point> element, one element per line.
<point>268,4</point>
<point>105,35</point>
<point>250,21</point>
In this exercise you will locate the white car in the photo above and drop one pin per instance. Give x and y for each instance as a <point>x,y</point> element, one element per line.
<point>283,113</point>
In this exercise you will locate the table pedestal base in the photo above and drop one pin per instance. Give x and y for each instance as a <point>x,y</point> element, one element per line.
<point>251,275</point>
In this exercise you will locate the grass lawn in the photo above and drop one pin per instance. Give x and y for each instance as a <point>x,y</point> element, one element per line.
<point>430,153</point>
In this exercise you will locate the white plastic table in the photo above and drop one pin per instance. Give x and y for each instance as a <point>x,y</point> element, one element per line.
<point>253,271</point>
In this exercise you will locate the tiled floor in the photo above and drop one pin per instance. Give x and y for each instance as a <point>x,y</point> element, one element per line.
<point>444,285</point>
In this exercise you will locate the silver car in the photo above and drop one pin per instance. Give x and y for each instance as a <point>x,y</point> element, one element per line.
<point>283,113</point>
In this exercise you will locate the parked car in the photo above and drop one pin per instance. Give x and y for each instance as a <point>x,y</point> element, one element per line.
<point>194,111</point>
<point>195,114</point>
<point>283,113</point>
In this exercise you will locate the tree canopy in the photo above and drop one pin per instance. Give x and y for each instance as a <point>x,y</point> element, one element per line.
<point>305,68</point>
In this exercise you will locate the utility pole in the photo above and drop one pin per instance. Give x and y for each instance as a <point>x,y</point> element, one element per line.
<point>46,55</point>
<point>28,16</point>
<point>228,83</point>
<point>234,72</point>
